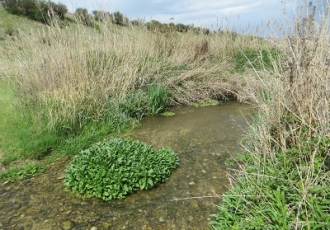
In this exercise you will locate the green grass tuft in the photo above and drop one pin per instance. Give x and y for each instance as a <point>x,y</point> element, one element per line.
<point>21,173</point>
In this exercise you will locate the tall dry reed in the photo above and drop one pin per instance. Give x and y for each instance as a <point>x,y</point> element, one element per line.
<point>76,74</point>
<point>282,180</point>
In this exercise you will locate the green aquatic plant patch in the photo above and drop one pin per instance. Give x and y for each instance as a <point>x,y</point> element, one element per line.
<point>168,114</point>
<point>205,104</point>
<point>115,168</point>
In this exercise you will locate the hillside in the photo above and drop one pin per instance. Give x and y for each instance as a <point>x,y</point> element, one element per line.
<point>16,23</point>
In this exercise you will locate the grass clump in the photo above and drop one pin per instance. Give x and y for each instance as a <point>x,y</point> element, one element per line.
<point>157,98</point>
<point>21,173</point>
<point>257,59</point>
<point>287,194</point>
<point>9,28</point>
<point>115,168</point>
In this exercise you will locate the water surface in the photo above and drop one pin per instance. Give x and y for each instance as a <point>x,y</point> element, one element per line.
<point>202,137</point>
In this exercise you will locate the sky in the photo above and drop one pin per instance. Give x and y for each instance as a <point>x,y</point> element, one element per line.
<point>243,16</point>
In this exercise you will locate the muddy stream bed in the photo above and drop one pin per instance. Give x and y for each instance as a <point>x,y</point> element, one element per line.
<point>202,137</point>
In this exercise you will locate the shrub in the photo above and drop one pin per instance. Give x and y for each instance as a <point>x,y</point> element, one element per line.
<point>102,16</point>
<point>9,28</point>
<point>83,16</point>
<point>41,11</point>
<point>118,167</point>
<point>181,27</point>
<point>118,18</point>
<point>60,9</point>
<point>14,7</point>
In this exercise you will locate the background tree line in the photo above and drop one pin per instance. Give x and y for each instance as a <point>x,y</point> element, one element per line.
<point>157,26</point>
<point>100,16</point>
<point>45,11</point>
<point>39,10</point>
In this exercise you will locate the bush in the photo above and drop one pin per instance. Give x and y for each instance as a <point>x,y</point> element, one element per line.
<point>41,11</point>
<point>118,167</point>
<point>9,28</point>
<point>60,10</point>
<point>83,16</point>
<point>102,16</point>
<point>14,7</point>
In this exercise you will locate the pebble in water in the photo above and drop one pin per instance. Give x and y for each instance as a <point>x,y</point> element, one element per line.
<point>67,225</point>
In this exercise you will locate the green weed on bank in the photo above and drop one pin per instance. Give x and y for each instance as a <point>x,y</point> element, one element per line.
<point>279,192</point>
<point>20,173</point>
<point>254,58</point>
<point>21,130</point>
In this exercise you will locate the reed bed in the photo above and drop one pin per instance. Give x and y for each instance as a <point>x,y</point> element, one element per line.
<point>69,77</point>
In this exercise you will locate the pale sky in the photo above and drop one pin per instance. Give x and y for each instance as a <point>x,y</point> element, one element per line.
<point>240,15</point>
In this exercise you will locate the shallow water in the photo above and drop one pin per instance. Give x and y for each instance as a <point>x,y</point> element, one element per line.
<point>202,137</point>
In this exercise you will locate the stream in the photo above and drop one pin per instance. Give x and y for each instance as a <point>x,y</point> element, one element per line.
<point>202,137</point>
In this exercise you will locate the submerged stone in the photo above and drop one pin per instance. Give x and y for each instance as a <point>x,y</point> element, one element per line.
<point>67,225</point>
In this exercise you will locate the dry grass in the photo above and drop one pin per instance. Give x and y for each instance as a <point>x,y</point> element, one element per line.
<point>300,88</point>
<point>283,179</point>
<point>75,72</point>
<point>75,85</point>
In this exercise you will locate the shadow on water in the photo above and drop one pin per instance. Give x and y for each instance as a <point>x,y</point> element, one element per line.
<point>202,137</point>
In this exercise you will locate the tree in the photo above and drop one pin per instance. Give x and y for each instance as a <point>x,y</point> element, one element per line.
<point>61,10</point>
<point>35,9</point>
<point>83,16</point>
<point>154,25</point>
<point>14,7</point>
<point>118,18</point>
<point>171,27</point>
<point>181,27</point>
<point>101,15</point>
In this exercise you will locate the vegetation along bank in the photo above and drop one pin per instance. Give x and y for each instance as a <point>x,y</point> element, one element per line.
<point>76,79</point>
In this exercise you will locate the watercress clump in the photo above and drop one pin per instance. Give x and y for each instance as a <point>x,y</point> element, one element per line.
<point>118,167</point>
